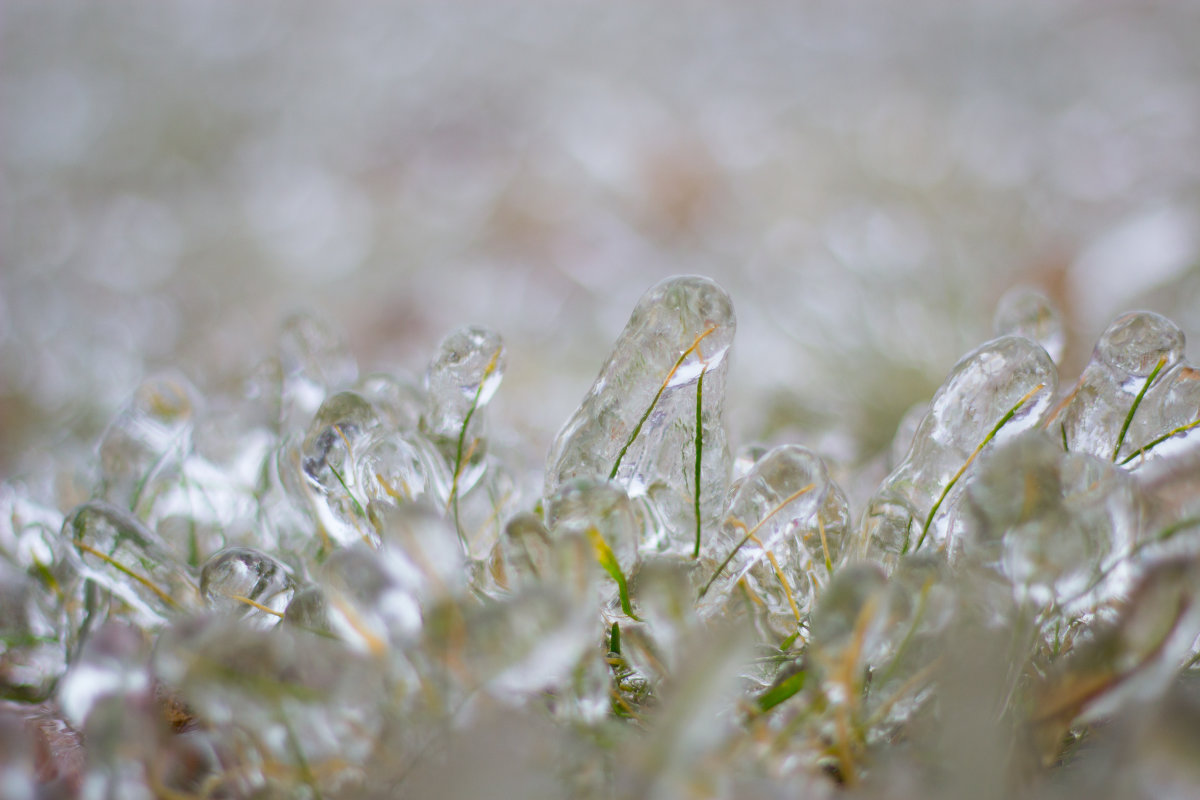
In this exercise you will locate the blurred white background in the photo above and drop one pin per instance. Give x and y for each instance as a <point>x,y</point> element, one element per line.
<point>865,179</point>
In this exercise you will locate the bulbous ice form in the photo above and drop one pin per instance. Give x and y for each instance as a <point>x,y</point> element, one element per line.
<point>342,430</point>
<point>461,380</point>
<point>115,550</point>
<point>1135,342</point>
<point>248,584</point>
<point>303,696</point>
<point>1167,422</point>
<point>782,534</point>
<point>1133,357</point>
<point>1023,311</point>
<point>995,392</point>
<point>652,419</point>
<point>854,605</point>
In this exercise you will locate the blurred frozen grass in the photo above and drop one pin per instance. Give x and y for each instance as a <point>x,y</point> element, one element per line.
<point>865,181</point>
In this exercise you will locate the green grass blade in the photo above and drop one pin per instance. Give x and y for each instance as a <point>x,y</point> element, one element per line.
<point>1156,442</point>
<point>1137,401</point>
<point>781,691</point>
<point>608,561</point>
<point>358,509</point>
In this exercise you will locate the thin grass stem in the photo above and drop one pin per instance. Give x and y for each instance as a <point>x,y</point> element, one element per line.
<point>1137,401</point>
<point>1141,451</point>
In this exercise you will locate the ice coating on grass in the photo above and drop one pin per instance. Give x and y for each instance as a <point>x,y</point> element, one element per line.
<point>781,536</point>
<point>461,380</point>
<point>1132,658</point>
<point>112,662</point>
<point>342,429</point>
<point>638,423</point>
<point>1001,388</point>
<point>116,551</point>
<point>248,584</point>
<point>31,654</point>
<point>286,696</point>
<point>1051,522</point>
<point>1131,360</point>
<point>583,506</point>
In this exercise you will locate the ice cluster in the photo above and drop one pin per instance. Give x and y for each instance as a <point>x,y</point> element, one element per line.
<point>332,584</point>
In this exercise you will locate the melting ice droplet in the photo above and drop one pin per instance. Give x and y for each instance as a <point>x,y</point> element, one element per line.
<point>652,419</point>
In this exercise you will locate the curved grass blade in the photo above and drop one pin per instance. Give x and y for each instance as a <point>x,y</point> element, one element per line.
<point>1137,401</point>
<point>658,395</point>
<point>1012,412</point>
<point>1156,442</point>
<point>117,565</point>
<point>608,560</point>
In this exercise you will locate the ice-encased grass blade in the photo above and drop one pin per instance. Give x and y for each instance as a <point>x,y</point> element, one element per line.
<point>1137,401</point>
<point>1012,412</point>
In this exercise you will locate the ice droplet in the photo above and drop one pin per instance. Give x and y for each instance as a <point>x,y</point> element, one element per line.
<point>638,424</point>
<point>247,584</point>
<point>460,381</point>
<point>998,390</point>
<point>342,429</point>
<point>1135,342</point>
<point>782,535</point>
<point>1023,311</point>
